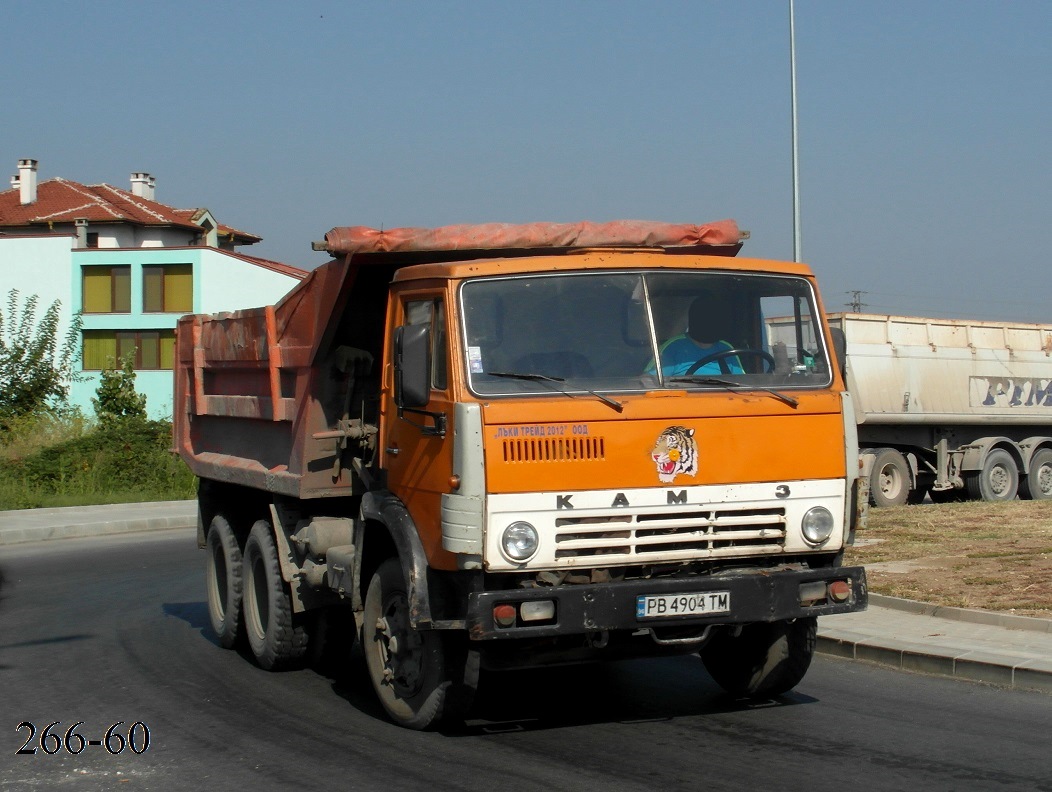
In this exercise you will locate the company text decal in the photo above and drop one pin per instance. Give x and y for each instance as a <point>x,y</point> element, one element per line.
<point>1010,392</point>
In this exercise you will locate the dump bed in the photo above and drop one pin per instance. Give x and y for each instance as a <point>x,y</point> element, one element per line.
<point>903,369</point>
<point>271,397</point>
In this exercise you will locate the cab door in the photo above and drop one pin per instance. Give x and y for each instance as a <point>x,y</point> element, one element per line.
<point>417,447</point>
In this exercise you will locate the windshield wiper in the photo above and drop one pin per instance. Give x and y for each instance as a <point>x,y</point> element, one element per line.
<point>732,385</point>
<point>545,378</point>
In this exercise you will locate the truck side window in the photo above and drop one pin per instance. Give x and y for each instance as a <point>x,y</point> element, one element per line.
<point>432,312</point>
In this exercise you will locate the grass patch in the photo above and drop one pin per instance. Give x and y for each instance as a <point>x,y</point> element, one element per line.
<point>993,556</point>
<point>118,461</point>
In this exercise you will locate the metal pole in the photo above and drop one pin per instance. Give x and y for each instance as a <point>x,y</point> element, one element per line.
<point>796,164</point>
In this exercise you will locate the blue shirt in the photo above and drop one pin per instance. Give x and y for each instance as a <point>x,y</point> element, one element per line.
<point>679,353</point>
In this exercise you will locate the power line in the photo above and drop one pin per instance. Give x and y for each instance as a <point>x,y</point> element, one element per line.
<point>856,304</point>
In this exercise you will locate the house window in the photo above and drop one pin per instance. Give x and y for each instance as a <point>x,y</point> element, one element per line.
<point>106,289</point>
<point>168,289</point>
<point>150,349</point>
<point>93,239</point>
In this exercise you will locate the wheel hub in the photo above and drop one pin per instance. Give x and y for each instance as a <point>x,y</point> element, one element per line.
<point>1044,479</point>
<point>400,647</point>
<point>999,480</point>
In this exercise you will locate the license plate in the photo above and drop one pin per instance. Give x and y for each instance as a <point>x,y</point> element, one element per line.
<point>699,604</point>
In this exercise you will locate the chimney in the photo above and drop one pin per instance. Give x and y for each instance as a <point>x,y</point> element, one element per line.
<point>143,185</point>
<point>27,180</point>
<point>81,224</point>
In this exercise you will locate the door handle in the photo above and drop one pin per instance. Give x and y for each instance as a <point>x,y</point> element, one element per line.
<point>392,451</point>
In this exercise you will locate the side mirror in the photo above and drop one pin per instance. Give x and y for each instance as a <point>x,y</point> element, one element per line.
<point>840,349</point>
<point>412,366</point>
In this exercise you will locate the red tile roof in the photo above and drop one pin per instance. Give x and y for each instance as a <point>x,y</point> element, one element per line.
<point>63,201</point>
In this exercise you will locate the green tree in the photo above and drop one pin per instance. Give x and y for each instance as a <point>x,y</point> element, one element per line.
<point>36,369</point>
<point>116,396</point>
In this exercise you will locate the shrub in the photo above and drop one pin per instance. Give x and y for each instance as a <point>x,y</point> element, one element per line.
<point>116,397</point>
<point>121,461</point>
<point>35,369</point>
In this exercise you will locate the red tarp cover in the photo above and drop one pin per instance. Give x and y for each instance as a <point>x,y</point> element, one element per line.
<point>496,236</point>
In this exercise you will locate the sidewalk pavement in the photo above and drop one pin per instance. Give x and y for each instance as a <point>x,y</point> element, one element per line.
<point>36,525</point>
<point>997,648</point>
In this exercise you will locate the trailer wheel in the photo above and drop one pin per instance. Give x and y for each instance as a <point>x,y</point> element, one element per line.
<point>766,659</point>
<point>1037,484</point>
<point>997,481</point>
<point>422,677</point>
<point>277,637</point>
<point>223,581</point>
<point>889,483</point>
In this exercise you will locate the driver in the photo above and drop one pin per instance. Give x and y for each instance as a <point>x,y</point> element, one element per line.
<point>701,340</point>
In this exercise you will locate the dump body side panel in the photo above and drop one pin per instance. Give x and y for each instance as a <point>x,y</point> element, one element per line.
<point>910,370</point>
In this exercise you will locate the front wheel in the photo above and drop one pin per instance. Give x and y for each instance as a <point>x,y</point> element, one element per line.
<point>765,659</point>
<point>422,677</point>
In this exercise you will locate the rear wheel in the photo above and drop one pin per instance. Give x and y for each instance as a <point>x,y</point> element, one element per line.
<point>422,677</point>
<point>998,480</point>
<point>766,659</point>
<point>1037,484</point>
<point>223,581</point>
<point>277,636</point>
<point>889,483</point>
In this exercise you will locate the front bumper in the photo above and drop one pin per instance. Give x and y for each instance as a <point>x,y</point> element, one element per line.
<point>755,596</point>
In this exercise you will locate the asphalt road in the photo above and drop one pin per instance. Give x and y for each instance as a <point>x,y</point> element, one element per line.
<point>114,629</point>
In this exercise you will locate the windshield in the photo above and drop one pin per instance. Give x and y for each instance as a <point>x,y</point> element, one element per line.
<point>631,331</point>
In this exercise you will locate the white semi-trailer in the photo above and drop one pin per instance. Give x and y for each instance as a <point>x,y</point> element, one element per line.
<point>951,407</point>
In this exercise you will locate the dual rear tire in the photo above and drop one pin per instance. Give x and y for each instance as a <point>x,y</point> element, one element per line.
<point>889,483</point>
<point>421,677</point>
<point>248,599</point>
<point>1037,484</point>
<point>998,480</point>
<point>223,582</point>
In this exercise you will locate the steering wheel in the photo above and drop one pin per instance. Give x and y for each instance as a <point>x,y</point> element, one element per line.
<point>723,354</point>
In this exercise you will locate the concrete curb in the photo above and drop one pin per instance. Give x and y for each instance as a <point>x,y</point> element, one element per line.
<point>1008,621</point>
<point>999,649</point>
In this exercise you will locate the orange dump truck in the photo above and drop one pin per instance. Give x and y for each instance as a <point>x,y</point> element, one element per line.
<point>494,446</point>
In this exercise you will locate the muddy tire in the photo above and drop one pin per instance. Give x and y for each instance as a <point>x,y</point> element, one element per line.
<point>1037,484</point>
<point>889,483</point>
<point>422,677</point>
<point>766,659</point>
<point>223,582</point>
<point>997,481</point>
<point>277,637</point>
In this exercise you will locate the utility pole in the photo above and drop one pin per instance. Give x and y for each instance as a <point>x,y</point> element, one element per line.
<point>797,256</point>
<point>856,304</point>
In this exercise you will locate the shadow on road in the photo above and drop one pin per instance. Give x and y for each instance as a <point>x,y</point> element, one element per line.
<point>629,691</point>
<point>193,613</point>
<point>626,691</point>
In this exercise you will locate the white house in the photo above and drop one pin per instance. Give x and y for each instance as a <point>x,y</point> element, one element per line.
<point>130,266</point>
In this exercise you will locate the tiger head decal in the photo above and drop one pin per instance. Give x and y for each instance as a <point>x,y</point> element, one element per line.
<point>675,453</point>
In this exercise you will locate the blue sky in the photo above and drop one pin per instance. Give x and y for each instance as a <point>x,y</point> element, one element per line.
<point>925,127</point>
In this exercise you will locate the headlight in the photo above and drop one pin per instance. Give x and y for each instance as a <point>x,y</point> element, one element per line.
<point>817,525</point>
<point>519,542</point>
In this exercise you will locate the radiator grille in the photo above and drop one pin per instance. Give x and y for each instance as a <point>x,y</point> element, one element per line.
<point>696,531</point>
<point>554,449</point>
